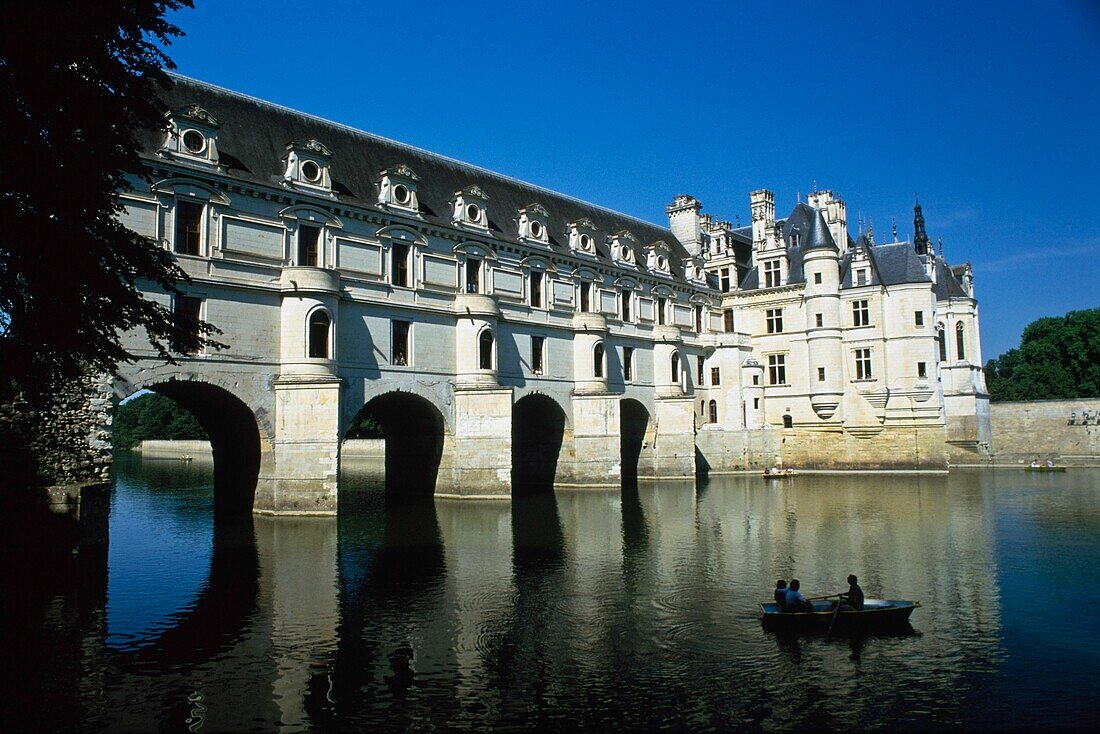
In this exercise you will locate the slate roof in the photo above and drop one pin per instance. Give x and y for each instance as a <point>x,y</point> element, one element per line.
<point>890,264</point>
<point>252,141</point>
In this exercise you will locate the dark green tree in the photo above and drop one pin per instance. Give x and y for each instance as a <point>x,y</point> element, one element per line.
<point>1058,357</point>
<point>76,82</point>
<point>156,417</point>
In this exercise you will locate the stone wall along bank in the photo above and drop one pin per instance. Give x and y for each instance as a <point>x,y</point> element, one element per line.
<point>1067,431</point>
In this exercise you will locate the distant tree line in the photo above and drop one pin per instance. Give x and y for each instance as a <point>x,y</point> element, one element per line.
<point>155,417</point>
<point>1058,358</point>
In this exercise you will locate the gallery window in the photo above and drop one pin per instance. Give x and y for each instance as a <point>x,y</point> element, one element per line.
<point>538,360</point>
<point>309,238</point>
<point>821,374</point>
<point>399,265</point>
<point>662,306</point>
<point>536,289</point>
<point>399,343</point>
<point>674,368</point>
<point>189,216</point>
<point>597,360</point>
<point>319,327</point>
<point>713,405</point>
<point>586,297</point>
<point>922,369</point>
<point>941,338</point>
<point>485,350</point>
<point>627,297</point>
<point>715,376</point>
<point>628,364</point>
<point>727,320</point>
<point>186,314</point>
<point>918,318</point>
<point>473,275</point>
<point>960,340</point>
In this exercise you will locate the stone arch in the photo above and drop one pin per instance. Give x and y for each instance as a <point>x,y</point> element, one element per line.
<point>634,434</point>
<point>240,434</point>
<point>413,430</point>
<point>538,432</point>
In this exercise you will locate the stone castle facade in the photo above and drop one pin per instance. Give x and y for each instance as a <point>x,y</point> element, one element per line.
<point>503,334</point>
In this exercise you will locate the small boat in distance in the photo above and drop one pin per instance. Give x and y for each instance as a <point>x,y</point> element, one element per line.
<point>877,614</point>
<point>1033,467</point>
<point>778,474</point>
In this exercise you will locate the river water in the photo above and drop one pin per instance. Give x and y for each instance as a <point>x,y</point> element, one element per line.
<point>584,610</point>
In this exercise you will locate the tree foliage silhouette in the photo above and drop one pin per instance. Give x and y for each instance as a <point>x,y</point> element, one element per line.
<point>1058,357</point>
<point>76,83</point>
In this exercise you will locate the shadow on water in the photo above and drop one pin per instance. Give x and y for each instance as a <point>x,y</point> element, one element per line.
<point>537,539</point>
<point>218,617</point>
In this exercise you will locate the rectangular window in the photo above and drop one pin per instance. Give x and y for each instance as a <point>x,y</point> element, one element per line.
<point>861,314</point>
<point>774,318</point>
<point>186,313</point>
<point>756,379</point>
<point>727,320</point>
<point>188,228</point>
<point>536,289</point>
<point>817,278</point>
<point>700,371</point>
<point>777,369</point>
<point>922,369</point>
<point>698,319</point>
<point>724,279</point>
<point>627,297</point>
<point>662,306</point>
<point>863,364</point>
<point>819,320</point>
<point>538,345</point>
<point>628,364</point>
<point>586,297</point>
<point>771,274</point>
<point>918,318</point>
<point>399,274</point>
<point>308,250</point>
<point>715,376</point>
<point>756,403</point>
<point>821,374</point>
<point>473,275</point>
<point>399,343</point>
<point>861,276</point>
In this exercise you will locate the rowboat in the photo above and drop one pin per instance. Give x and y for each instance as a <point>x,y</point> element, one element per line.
<point>1044,468</point>
<point>877,614</point>
<point>784,474</point>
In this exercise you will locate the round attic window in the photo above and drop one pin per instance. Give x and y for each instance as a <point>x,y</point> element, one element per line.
<point>625,253</point>
<point>473,212</point>
<point>194,141</point>
<point>536,230</point>
<point>586,242</point>
<point>401,194</point>
<point>311,171</point>
<point>661,262</point>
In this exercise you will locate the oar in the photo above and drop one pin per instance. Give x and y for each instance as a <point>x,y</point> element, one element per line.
<point>819,598</point>
<point>833,621</point>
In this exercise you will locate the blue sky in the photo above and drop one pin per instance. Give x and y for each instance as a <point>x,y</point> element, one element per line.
<point>989,111</point>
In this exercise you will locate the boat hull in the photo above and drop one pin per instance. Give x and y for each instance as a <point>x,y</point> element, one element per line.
<point>1045,468</point>
<point>876,615</point>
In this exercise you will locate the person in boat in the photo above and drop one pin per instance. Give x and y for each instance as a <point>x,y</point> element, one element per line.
<point>853,597</point>
<point>1034,463</point>
<point>781,594</point>
<point>1050,463</point>
<point>795,601</point>
<point>774,471</point>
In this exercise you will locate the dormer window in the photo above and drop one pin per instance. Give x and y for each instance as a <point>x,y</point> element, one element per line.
<point>470,207</point>
<point>398,188</point>
<point>306,166</point>
<point>582,237</point>
<point>192,135</point>
<point>657,258</point>
<point>622,248</point>
<point>533,224</point>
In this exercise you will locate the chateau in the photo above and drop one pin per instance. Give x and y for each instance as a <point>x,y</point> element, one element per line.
<point>505,336</point>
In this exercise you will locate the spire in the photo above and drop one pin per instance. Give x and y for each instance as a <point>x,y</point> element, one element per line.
<point>819,236</point>
<point>920,237</point>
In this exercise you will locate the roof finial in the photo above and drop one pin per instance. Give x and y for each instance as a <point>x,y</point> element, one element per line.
<point>894,226</point>
<point>738,218</point>
<point>815,185</point>
<point>941,249</point>
<point>920,237</point>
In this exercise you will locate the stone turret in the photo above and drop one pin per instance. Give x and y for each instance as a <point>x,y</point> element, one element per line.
<point>835,212</point>
<point>684,221</point>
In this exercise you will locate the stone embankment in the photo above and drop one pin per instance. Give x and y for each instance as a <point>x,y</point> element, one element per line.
<point>1067,431</point>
